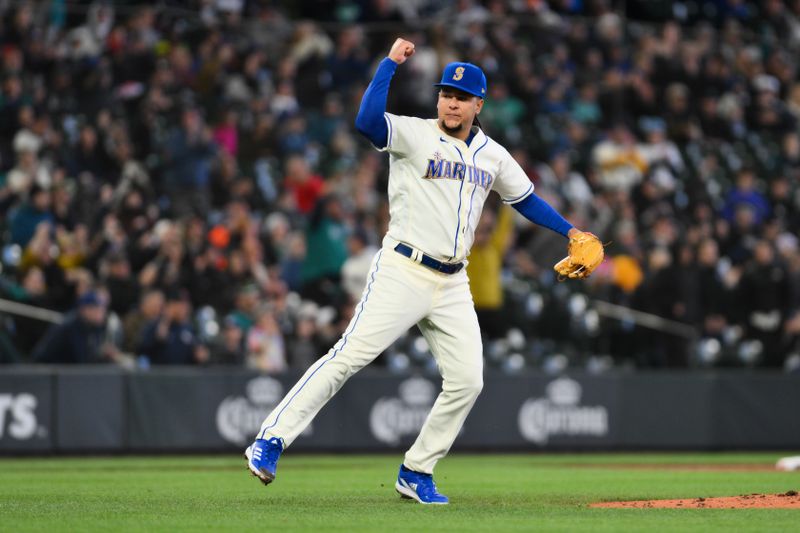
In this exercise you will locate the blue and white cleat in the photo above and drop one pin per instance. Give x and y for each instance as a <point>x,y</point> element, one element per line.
<point>418,486</point>
<point>262,458</point>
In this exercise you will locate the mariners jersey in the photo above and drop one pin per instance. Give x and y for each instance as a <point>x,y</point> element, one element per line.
<point>438,185</point>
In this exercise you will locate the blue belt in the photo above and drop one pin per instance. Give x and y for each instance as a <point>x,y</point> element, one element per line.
<point>430,262</point>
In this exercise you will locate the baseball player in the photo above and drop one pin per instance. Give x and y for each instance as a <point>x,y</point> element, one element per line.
<point>440,173</point>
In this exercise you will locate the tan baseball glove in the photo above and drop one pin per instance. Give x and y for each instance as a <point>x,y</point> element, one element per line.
<point>585,254</point>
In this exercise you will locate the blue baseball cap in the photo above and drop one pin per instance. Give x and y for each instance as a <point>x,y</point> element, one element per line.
<point>91,298</point>
<point>464,77</point>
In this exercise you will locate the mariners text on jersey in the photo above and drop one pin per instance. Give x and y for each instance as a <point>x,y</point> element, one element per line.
<point>456,170</point>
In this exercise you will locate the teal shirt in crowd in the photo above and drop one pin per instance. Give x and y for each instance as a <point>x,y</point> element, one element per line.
<point>326,250</point>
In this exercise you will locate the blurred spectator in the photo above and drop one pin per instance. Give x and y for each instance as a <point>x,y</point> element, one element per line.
<point>769,113</point>
<point>150,307</point>
<point>81,337</point>
<point>303,347</point>
<point>559,178</point>
<point>664,293</point>
<point>503,112</point>
<point>326,251</point>
<point>171,339</point>
<point>188,155</point>
<point>660,152</point>
<point>62,286</point>
<point>305,188</point>
<point>619,160</point>
<point>30,215</point>
<point>245,307</point>
<point>29,171</point>
<point>32,290</point>
<point>349,61</point>
<point>765,293</point>
<point>713,299</point>
<point>121,284</point>
<point>745,194</point>
<point>226,134</point>
<point>492,240</point>
<point>584,107</point>
<point>357,265</point>
<point>89,157</point>
<point>228,347</point>
<point>168,267</point>
<point>265,346</point>
<point>681,126</point>
<point>329,121</point>
<point>292,264</point>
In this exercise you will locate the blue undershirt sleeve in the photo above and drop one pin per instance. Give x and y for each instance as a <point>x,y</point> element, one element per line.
<point>539,212</point>
<point>370,121</point>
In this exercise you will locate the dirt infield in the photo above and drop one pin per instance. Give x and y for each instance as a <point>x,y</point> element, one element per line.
<point>786,500</point>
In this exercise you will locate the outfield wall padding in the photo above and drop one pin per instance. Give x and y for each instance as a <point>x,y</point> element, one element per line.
<point>103,409</point>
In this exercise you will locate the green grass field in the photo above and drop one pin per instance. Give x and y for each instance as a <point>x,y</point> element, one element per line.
<point>356,493</point>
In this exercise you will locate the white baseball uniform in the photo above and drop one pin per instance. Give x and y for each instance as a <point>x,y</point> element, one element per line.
<point>437,187</point>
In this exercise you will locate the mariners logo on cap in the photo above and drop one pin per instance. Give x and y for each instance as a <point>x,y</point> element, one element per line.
<point>464,77</point>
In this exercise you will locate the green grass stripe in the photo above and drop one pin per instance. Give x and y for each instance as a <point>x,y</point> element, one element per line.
<point>494,493</point>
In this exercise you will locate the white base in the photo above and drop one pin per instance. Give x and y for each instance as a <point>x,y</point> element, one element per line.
<point>789,464</point>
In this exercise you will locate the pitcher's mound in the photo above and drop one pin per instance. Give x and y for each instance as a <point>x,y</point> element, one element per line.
<point>787,500</point>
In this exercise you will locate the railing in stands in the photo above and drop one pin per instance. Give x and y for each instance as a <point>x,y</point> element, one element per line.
<point>30,311</point>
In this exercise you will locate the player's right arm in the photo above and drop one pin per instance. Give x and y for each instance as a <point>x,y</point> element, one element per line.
<point>370,121</point>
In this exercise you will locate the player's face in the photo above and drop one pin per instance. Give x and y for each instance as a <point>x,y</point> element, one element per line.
<point>457,110</point>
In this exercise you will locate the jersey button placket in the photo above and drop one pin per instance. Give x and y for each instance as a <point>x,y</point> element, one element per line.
<point>462,204</point>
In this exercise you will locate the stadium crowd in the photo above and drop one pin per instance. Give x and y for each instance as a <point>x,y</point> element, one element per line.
<point>187,186</point>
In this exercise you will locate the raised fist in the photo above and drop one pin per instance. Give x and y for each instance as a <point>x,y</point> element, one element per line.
<point>401,50</point>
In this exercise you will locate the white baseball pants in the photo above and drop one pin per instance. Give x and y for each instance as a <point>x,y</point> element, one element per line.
<point>399,294</point>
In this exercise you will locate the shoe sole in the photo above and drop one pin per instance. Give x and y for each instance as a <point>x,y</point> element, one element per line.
<point>409,494</point>
<point>263,476</point>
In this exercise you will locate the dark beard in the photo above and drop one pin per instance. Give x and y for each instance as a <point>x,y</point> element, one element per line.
<point>450,131</point>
